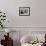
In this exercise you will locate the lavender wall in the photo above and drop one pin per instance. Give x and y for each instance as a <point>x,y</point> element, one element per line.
<point>37,16</point>
<point>35,22</point>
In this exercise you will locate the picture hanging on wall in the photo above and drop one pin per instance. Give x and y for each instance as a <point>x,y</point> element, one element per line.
<point>24,11</point>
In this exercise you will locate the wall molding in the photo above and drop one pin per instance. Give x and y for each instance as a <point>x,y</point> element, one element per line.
<point>24,27</point>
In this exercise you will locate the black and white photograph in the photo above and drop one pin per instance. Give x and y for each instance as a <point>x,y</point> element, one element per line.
<point>24,11</point>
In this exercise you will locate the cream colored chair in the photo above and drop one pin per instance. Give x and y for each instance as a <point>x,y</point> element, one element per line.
<point>26,39</point>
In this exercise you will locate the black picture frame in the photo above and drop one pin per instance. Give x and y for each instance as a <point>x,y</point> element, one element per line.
<point>24,11</point>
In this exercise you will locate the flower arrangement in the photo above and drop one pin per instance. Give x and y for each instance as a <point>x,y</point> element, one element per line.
<point>2,19</point>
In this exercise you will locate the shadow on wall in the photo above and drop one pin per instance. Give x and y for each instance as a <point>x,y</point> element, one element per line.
<point>16,43</point>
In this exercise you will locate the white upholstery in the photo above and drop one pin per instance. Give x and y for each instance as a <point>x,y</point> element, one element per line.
<point>27,39</point>
<point>34,37</point>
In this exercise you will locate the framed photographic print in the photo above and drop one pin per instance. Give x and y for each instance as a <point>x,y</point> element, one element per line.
<point>24,11</point>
